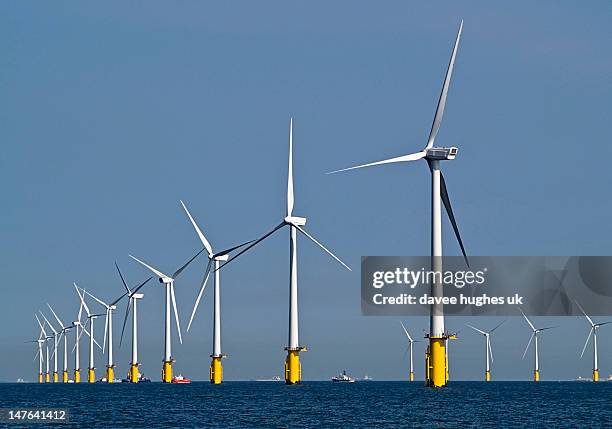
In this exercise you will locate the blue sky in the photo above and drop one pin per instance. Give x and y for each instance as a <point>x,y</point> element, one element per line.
<point>112,113</point>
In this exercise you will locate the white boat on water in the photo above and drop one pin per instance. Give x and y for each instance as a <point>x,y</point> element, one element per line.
<point>344,378</point>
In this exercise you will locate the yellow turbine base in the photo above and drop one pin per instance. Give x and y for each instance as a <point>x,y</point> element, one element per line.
<point>595,375</point>
<point>65,377</point>
<point>91,375</point>
<point>487,376</point>
<point>167,372</point>
<point>216,370</point>
<point>77,376</point>
<point>293,367</point>
<point>47,378</point>
<point>55,377</point>
<point>411,376</point>
<point>437,373</point>
<point>536,375</point>
<point>110,374</point>
<point>134,373</point>
<point>40,378</point>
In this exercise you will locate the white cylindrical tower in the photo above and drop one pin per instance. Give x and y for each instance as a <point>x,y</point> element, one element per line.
<point>294,342</point>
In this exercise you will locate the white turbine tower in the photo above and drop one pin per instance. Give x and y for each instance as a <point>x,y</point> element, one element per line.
<point>216,367</point>
<point>593,332</point>
<point>168,282</point>
<point>64,330</point>
<point>534,336</point>
<point>293,368</point>
<point>108,335</point>
<point>410,342</point>
<point>47,338</point>
<point>133,297</point>
<point>91,369</point>
<point>56,339</point>
<point>488,349</point>
<point>436,362</point>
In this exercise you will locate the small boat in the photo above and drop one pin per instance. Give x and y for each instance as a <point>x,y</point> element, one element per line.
<point>343,378</point>
<point>367,378</point>
<point>275,378</point>
<point>141,379</point>
<point>179,379</point>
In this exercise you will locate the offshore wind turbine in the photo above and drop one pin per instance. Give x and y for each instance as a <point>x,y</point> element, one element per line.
<point>42,338</point>
<point>133,297</point>
<point>436,356</point>
<point>168,282</point>
<point>216,368</point>
<point>488,349</point>
<point>77,349</point>
<point>91,369</point>
<point>534,336</point>
<point>64,329</point>
<point>410,342</point>
<point>47,338</point>
<point>593,332</point>
<point>108,335</point>
<point>293,367</point>
<point>56,335</point>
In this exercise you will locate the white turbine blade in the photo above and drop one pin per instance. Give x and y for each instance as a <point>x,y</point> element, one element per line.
<point>403,158</point>
<point>82,297</point>
<point>157,273</point>
<point>290,171</point>
<point>321,246</point>
<point>99,300</point>
<point>490,348</point>
<point>55,315</point>
<point>80,313</point>
<point>497,326</point>
<point>48,323</point>
<point>200,293</point>
<point>37,351</point>
<point>442,101</point>
<point>603,323</point>
<point>42,329</point>
<point>528,321</point>
<point>186,264</point>
<point>583,312</point>
<point>476,329</point>
<point>587,342</point>
<point>198,230</point>
<point>178,325</point>
<point>406,331</point>
<point>105,330</point>
<point>94,340</point>
<point>528,344</point>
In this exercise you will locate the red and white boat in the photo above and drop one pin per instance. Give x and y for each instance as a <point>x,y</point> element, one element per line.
<point>179,379</point>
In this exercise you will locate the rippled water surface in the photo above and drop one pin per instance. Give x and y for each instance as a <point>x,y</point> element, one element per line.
<point>321,404</point>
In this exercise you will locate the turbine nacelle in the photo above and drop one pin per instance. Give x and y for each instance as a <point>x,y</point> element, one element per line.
<point>165,280</point>
<point>138,295</point>
<point>296,221</point>
<point>221,258</point>
<point>441,153</point>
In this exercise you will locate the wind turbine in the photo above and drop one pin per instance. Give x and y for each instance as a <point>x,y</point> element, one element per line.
<point>216,368</point>
<point>47,338</point>
<point>534,335</point>
<point>133,297</point>
<point>293,368</point>
<point>91,370</point>
<point>39,354</point>
<point>64,329</point>
<point>108,335</point>
<point>488,349</point>
<point>168,281</point>
<point>56,336</point>
<point>437,364</point>
<point>410,342</point>
<point>592,331</point>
